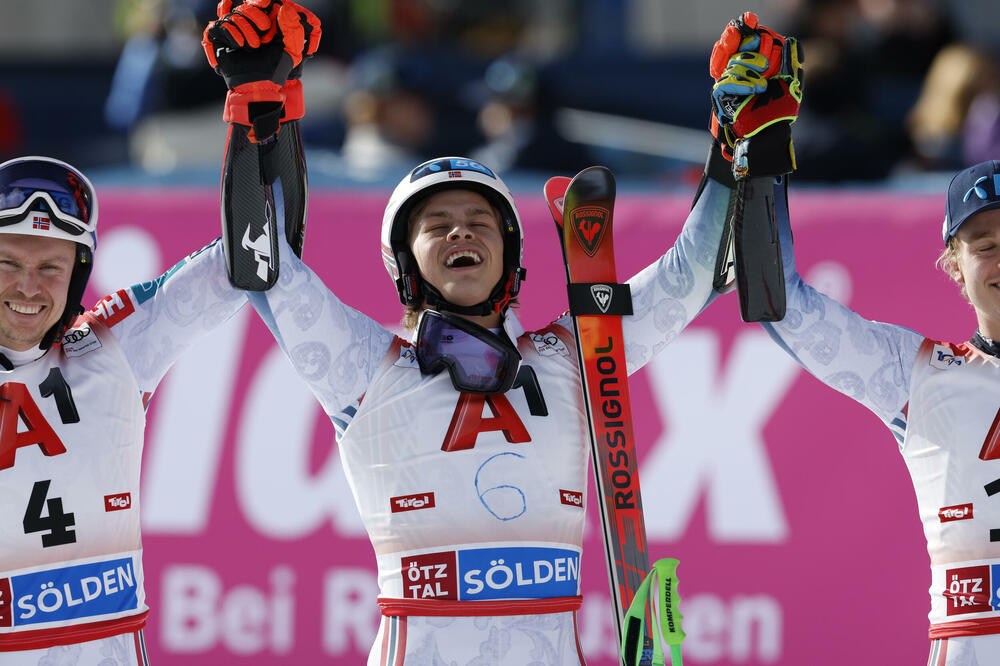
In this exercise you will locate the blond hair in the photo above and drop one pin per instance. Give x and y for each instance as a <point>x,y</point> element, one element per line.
<point>947,261</point>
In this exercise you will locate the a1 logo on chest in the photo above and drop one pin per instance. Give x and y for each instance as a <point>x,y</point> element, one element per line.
<point>468,420</point>
<point>17,406</point>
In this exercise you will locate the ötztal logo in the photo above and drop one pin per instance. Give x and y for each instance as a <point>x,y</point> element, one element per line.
<point>967,590</point>
<point>411,502</point>
<point>429,576</point>
<point>958,512</point>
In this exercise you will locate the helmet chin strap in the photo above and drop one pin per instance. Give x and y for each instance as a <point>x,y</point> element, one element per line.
<point>434,299</point>
<point>498,300</point>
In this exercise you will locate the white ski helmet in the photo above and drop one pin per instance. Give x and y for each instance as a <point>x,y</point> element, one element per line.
<point>41,196</point>
<point>430,177</point>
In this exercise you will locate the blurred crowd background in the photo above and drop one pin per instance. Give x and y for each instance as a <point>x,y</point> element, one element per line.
<point>893,88</point>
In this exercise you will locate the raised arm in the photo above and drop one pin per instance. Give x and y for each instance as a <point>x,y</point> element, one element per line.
<point>866,360</point>
<point>757,93</point>
<point>156,321</point>
<point>668,294</point>
<point>334,348</point>
<point>259,47</point>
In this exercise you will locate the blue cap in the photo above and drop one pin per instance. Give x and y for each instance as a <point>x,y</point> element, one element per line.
<point>971,191</point>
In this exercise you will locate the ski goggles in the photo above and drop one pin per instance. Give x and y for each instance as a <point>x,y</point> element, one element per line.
<point>44,185</point>
<point>478,360</point>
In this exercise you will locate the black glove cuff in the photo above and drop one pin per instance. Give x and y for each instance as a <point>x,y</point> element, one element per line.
<point>769,152</point>
<point>718,168</point>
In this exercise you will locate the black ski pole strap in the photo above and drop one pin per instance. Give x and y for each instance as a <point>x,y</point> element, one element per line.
<point>760,278</point>
<point>249,225</point>
<point>599,298</point>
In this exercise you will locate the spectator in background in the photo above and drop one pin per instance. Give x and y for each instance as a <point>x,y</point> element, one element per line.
<point>839,136</point>
<point>960,75</point>
<point>160,65</point>
<point>388,116</point>
<point>867,60</point>
<point>516,118</point>
<point>981,129</point>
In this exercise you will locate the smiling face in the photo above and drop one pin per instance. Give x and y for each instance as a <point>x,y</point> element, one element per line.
<point>456,239</point>
<point>977,268</point>
<point>34,284</point>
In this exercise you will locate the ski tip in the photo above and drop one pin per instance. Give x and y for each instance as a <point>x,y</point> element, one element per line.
<point>596,182</point>
<point>555,195</point>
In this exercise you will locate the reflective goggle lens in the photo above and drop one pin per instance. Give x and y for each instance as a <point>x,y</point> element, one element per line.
<point>477,360</point>
<point>31,180</point>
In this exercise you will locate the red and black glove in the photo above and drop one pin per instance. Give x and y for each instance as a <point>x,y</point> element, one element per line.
<point>757,92</point>
<point>258,47</point>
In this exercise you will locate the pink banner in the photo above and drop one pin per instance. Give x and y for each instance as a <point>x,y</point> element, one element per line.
<point>787,504</point>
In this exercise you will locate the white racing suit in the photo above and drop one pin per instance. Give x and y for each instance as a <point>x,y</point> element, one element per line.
<point>71,437</point>
<point>475,504</point>
<point>940,401</point>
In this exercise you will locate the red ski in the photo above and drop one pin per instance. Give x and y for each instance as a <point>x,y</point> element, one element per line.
<point>583,212</point>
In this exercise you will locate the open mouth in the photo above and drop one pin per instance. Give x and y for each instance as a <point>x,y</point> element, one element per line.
<point>463,259</point>
<point>25,309</point>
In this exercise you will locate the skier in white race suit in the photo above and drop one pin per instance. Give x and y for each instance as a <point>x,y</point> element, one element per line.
<point>466,445</point>
<point>74,387</point>
<point>939,399</point>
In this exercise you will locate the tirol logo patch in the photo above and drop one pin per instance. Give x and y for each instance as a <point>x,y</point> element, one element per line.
<point>118,502</point>
<point>589,225</point>
<point>411,502</point>
<point>602,296</point>
<point>958,512</point>
<point>571,497</point>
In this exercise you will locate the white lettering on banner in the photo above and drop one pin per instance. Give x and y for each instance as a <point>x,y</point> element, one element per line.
<point>197,615</point>
<point>300,503</point>
<point>717,630</point>
<point>350,619</point>
<point>184,446</point>
<point>713,439</point>
<point>742,630</point>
